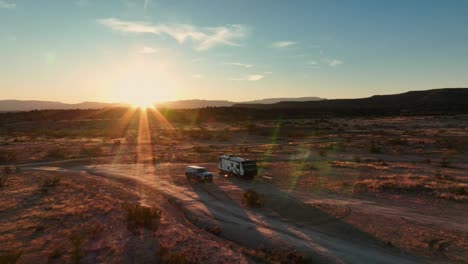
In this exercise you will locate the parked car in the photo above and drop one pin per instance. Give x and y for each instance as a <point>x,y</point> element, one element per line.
<point>198,173</point>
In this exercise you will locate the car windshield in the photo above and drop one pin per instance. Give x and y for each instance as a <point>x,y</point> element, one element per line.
<point>201,170</point>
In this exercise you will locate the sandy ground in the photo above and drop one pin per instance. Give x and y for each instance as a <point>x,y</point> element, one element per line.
<point>323,228</point>
<point>410,206</point>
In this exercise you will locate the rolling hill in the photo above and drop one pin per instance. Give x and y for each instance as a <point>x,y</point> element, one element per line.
<point>445,99</point>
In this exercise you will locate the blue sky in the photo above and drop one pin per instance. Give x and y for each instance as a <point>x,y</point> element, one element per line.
<point>127,50</point>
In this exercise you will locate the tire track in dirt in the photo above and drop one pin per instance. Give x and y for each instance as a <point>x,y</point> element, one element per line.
<point>325,243</point>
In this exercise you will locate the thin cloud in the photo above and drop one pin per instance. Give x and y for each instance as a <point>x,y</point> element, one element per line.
<point>197,60</point>
<point>197,76</point>
<point>148,50</point>
<point>251,78</point>
<point>312,63</point>
<point>284,44</point>
<point>146,4</point>
<point>335,62</point>
<point>204,38</point>
<point>7,5</point>
<point>238,64</point>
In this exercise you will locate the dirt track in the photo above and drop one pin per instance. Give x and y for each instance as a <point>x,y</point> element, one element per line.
<point>286,222</point>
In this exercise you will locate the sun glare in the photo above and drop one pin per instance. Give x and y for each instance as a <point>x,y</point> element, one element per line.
<point>142,103</point>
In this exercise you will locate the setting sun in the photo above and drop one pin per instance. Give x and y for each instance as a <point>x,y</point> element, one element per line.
<point>142,103</point>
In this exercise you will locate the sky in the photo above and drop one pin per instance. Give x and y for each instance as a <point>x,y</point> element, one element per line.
<point>151,50</point>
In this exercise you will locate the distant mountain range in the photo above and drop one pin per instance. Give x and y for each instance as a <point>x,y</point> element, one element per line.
<point>19,105</point>
<point>189,104</point>
<point>426,101</point>
<point>435,100</point>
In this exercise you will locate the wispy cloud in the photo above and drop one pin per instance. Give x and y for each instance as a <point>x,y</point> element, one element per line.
<point>146,4</point>
<point>238,64</point>
<point>197,76</point>
<point>284,44</point>
<point>312,62</point>
<point>7,5</point>
<point>335,62</point>
<point>252,78</point>
<point>204,38</point>
<point>148,50</point>
<point>197,60</point>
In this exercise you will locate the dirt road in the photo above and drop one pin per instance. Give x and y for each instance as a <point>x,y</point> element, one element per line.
<point>286,222</point>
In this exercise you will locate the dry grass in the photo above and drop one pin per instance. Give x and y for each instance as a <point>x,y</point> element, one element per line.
<point>170,257</point>
<point>439,186</point>
<point>276,256</point>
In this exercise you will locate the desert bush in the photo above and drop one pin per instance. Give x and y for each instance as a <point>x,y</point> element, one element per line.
<point>93,151</point>
<point>276,256</point>
<point>392,185</point>
<point>251,127</point>
<point>215,230</point>
<point>322,152</point>
<point>77,241</point>
<point>56,153</point>
<point>51,181</point>
<point>223,137</point>
<point>142,216</point>
<point>7,157</point>
<point>10,257</point>
<point>5,174</point>
<point>200,149</point>
<point>252,198</point>
<point>172,257</point>
<point>374,148</point>
<point>445,162</point>
<point>397,141</point>
<point>446,158</point>
<point>357,159</point>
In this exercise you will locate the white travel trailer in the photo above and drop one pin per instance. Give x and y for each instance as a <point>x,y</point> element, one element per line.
<point>233,165</point>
